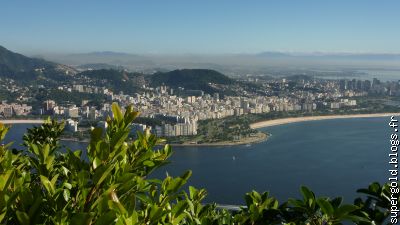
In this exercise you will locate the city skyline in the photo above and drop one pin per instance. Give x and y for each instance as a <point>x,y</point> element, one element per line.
<point>221,27</point>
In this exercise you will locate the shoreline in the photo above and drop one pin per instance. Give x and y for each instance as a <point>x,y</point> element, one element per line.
<point>282,121</point>
<point>260,137</point>
<point>22,121</point>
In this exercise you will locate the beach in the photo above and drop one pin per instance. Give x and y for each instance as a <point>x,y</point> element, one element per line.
<point>248,140</point>
<point>275,122</point>
<point>32,121</point>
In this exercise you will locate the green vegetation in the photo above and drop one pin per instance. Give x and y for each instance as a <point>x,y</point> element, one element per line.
<point>7,95</point>
<point>16,62</point>
<point>116,80</point>
<point>68,98</point>
<point>42,185</point>
<point>22,68</point>
<point>194,79</point>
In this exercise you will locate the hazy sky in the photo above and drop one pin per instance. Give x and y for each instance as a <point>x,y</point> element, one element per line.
<point>213,26</point>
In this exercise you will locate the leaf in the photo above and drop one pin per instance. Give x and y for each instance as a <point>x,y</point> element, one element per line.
<point>345,209</point>
<point>178,182</point>
<point>6,179</point>
<point>47,184</point>
<point>66,195</point>
<point>116,112</point>
<point>81,219</point>
<point>148,163</point>
<point>22,217</point>
<point>325,206</point>
<point>179,208</point>
<point>296,203</point>
<point>192,192</point>
<point>133,219</point>
<point>68,186</point>
<point>106,218</point>
<point>33,208</point>
<point>103,172</point>
<point>308,195</point>
<point>336,202</point>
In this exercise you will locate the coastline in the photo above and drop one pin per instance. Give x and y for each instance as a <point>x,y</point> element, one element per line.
<point>276,122</point>
<point>260,137</point>
<point>24,121</point>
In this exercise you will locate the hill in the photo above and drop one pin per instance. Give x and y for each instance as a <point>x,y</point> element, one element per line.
<point>117,80</point>
<point>194,79</point>
<point>21,68</point>
<point>20,63</point>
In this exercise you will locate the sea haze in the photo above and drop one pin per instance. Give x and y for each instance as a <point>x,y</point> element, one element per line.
<point>332,157</point>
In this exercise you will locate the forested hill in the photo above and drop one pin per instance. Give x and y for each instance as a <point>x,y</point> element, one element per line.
<point>194,79</point>
<point>22,68</point>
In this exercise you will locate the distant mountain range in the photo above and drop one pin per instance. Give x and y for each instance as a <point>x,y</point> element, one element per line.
<point>24,69</point>
<point>231,63</point>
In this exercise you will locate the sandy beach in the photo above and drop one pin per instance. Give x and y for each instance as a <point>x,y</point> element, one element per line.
<point>269,123</point>
<point>21,121</point>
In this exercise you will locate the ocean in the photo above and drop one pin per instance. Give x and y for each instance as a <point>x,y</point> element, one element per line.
<point>332,157</point>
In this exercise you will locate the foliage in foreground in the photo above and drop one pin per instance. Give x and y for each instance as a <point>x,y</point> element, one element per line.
<point>42,185</point>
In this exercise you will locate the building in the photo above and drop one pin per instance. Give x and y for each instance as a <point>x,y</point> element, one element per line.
<point>71,125</point>
<point>72,112</point>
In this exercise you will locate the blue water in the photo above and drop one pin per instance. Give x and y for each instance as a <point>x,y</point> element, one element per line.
<point>332,157</point>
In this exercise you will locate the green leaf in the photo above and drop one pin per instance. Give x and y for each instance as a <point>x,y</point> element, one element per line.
<point>133,219</point>
<point>192,192</point>
<point>47,184</point>
<point>102,172</point>
<point>325,206</point>
<point>148,163</point>
<point>179,208</point>
<point>81,219</point>
<point>106,219</point>
<point>117,112</point>
<point>23,217</point>
<point>66,195</point>
<point>345,209</point>
<point>178,182</point>
<point>308,195</point>
<point>6,179</point>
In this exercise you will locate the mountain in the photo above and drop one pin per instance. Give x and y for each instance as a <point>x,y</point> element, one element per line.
<point>22,68</point>
<point>194,79</point>
<point>106,57</point>
<point>117,80</point>
<point>20,63</point>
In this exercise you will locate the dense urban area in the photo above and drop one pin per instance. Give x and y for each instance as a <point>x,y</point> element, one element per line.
<point>193,115</point>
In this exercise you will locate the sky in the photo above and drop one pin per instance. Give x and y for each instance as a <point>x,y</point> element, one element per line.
<point>200,27</point>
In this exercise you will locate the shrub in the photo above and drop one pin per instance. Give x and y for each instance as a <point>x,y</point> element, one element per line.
<point>42,185</point>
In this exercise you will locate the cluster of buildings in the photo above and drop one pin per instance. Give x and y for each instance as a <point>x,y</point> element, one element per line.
<point>180,127</point>
<point>180,114</point>
<point>343,103</point>
<point>14,109</point>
